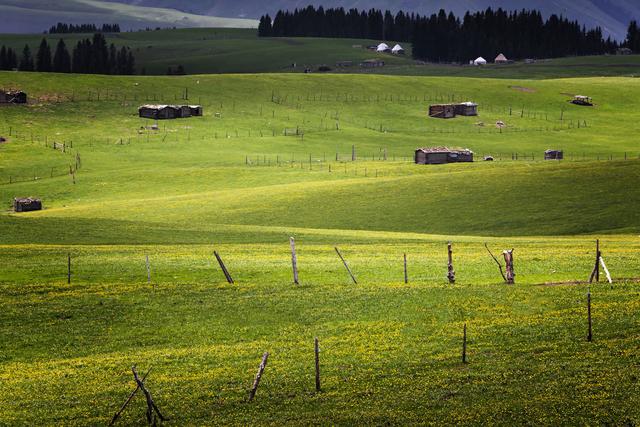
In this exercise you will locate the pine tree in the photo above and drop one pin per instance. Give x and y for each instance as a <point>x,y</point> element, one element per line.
<point>26,62</point>
<point>4,62</point>
<point>61,58</point>
<point>43,57</point>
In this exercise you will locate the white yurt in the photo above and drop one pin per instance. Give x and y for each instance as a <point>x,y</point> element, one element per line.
<point>397,50</point>
<point>480,61</point>
<point>383,47</point>
<point>501,59</point>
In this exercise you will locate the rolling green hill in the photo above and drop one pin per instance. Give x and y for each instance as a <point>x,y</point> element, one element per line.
<point>272,158</point>
<point>35,16</point>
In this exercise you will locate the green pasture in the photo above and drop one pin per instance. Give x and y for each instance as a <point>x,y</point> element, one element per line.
<point>271,159</point>
<point>240,50</point>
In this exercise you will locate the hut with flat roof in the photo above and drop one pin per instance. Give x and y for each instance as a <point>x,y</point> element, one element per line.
<point>441,155</point>
<point>26,204</point>
<point>553,155</point>
<point>467,109</point>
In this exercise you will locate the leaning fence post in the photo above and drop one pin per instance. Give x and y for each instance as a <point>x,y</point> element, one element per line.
<point>590,331</point>
<point>346,266</point>
<point>451,275</point>
<point>294,260</point>
<point>316,349</point>
<point>256,381</point>
<point>595,274</point>
<point>223,268</point>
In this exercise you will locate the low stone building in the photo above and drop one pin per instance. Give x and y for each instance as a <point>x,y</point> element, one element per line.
<point>26,204</point>
<point>164,112</point>
<point>441,155</point>
<point>553,155</point>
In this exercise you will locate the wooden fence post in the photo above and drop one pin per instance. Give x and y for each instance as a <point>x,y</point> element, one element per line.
<point>294,260</point>
<point>223,268</point>
<point>256,381</point>
<point>346,266</point>
<point>353,153</point>
<point>316,349</point>
<point>406,275</point>
<point>148,270</point>
<point>464,344</point>
<point>595,274</point>
<point>68,269</point>
<point>451,274</point>
<point>590,331</point>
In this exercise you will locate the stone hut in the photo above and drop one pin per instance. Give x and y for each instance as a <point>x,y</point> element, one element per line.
<point>441,155</point>
<point>27,204</point>
<point>553,155</point>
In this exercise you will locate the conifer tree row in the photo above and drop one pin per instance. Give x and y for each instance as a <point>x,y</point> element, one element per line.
<point>61,28</point>
<point>90,56</point>
<point>443,37</point>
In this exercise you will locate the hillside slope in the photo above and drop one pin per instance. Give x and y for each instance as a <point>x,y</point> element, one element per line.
<point>35,16</point>
<point>612,15</point>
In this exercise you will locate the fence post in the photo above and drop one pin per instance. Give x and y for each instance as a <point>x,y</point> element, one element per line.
<point>464,344</point>
<point>451,274</point>
<point>294,260</point>
<point>317,360</point>
<point>406,275</point>
<point>346,266</point>
<point>256,381</point>
<point>148,270</point>
<point>590,331</point>
<point>68,269</point>
<point>223,268</point>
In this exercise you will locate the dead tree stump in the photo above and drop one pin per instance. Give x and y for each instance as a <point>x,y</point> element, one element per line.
<point>451,274</point>
<point>508,260</point>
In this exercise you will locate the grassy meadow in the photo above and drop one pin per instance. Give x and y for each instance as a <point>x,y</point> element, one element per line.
<point>240,50</point>
<point>272,158</point>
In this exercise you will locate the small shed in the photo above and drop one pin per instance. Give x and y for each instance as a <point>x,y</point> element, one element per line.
<point>480,61</point>
<point>26,204</point>
<point>442,155</point>
<point>13,97</point>
<point>466,109</point>
<point>624,51</point>
<point>397,50</point>
<point>501,59</point>
<point>553,155</point>
<point>372,63</point>
<point>383,47</point>
<point>196,110</point>
<point>442,111</point>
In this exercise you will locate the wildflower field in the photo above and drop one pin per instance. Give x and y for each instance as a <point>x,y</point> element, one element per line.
<point>326,160</point>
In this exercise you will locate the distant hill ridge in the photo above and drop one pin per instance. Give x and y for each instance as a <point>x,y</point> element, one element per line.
<point>36,16</point>
<point>612,15</point>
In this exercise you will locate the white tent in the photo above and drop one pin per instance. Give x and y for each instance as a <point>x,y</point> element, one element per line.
<point>398,50</point>
<point>480,61</point>
<point>383,47</point>
<point>501,59</point>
